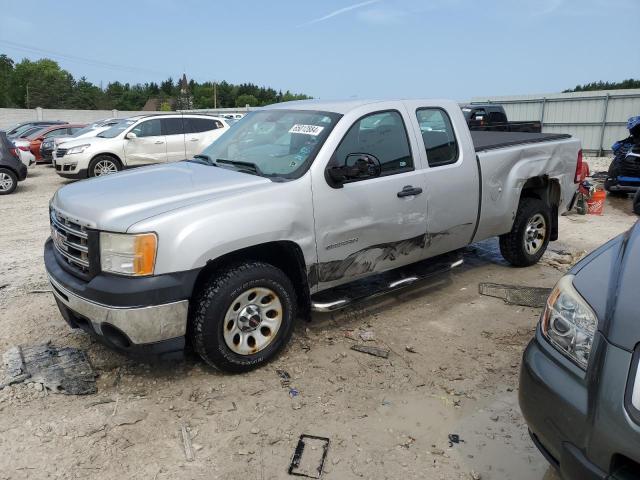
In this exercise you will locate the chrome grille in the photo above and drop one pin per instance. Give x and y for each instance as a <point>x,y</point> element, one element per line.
<point>70,240</point>
<point>61,152</point>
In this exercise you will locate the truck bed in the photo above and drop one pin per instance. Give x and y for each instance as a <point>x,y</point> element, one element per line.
<point>493,140</point>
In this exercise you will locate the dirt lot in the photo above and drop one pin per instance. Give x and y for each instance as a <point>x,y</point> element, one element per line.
<point>386,418</point>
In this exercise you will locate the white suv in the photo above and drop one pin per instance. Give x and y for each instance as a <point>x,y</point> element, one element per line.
<point>137,141</point>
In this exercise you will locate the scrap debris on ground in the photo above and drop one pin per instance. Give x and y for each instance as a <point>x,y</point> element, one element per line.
<point>310,465</point>
<point>535,297</point>
<point>60,370</point>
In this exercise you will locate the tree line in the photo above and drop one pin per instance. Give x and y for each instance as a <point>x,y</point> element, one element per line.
<point>42,83</point>
<point>589,87</point>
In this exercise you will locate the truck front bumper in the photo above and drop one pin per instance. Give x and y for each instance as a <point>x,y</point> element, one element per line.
<point>139,316</point>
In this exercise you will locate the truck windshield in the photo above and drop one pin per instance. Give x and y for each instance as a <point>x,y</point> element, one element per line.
<point>280,143</point>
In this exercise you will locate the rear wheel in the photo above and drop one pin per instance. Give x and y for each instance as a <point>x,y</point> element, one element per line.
<point>636,203</point>
<point>8,181</point>
<point>529,237</point>
<point>243,316</point>
<point>104,165</point>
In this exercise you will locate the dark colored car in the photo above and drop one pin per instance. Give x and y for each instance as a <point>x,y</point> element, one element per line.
<point>492,117</point>
<point>580,379</point>
<point>20,128</point>
<point>12,170</point>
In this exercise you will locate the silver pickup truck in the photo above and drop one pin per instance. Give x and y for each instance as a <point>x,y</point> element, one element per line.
<point>299,207</point>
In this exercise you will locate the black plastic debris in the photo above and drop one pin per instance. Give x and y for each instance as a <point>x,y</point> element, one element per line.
<point>375,351</point>
<point>310,465</point>
<point>454,438</point>
<point>61,370</point>
<point>285,378</point>
<point>516,295</point>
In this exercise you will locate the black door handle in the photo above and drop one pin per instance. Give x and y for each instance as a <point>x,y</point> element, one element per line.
<point>409,191</point>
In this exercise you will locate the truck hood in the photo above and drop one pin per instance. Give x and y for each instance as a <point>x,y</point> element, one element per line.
<point>116,202</point>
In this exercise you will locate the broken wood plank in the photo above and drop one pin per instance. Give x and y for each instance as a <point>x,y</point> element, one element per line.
<point>375,351</point>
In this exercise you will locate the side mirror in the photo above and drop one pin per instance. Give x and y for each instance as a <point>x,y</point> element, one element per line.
<point>356,166</point>
<point>130,136</point>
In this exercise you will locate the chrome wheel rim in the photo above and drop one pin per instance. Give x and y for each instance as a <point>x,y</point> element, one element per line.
<point>535,234</point>
<point>6,182</point>
<point>252,321</point>
<point>105,167</point>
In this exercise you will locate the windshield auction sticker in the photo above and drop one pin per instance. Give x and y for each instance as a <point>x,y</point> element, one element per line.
<point>314,130</point>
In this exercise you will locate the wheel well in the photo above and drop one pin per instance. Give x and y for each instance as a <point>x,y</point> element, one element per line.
<point>11,169</point>
<point>285,255</point>
<point>112,155</point>
<point>548,190</point>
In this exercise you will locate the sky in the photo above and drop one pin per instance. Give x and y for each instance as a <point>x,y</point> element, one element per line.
<point>332,49</point>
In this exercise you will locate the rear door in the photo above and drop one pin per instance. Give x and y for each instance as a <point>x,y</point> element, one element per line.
<point>200,133</point>
<point>173,130</point>
<point>451,178</point>
<point>148,147</point>
<point>373,224</point>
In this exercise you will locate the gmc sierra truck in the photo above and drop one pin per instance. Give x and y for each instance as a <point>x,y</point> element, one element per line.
<point>300,207</point>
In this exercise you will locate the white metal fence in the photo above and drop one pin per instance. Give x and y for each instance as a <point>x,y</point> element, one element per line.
<point>598,118</point>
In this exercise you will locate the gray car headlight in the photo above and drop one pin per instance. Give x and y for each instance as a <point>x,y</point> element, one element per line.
<point>78,149</point>
<point>128,254</point>
<point>569,323</point>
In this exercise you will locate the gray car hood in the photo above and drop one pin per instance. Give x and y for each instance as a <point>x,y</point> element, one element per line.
<point>608,279</point>
<point>115,202</point>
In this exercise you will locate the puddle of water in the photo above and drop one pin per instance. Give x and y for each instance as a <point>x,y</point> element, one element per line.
<point>497,444</point>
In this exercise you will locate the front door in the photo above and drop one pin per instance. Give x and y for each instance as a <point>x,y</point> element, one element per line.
<point>149,145</point>
<point>373,224</point>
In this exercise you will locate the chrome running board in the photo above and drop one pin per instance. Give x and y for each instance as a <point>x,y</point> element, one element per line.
<point>383,283</point>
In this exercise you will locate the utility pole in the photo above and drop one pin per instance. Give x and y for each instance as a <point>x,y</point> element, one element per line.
<point>215,96</point>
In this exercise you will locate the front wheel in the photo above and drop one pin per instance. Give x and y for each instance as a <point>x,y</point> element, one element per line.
<point>104,165</point>
<point>243,316</point>
<point>8,181</point>
<point>529,237</point>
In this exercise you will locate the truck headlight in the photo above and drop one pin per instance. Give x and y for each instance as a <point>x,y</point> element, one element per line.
<point>125,254</point>
<point>569,323</point>
<point>78,149</point>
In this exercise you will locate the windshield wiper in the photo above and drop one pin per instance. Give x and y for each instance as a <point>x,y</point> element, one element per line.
<point>202,159</point>
<point>242,166</point>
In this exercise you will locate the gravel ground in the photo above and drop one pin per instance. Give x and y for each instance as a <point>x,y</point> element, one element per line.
<point>453,368</point>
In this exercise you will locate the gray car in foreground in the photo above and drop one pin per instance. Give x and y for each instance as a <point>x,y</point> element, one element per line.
<point>580,381</point>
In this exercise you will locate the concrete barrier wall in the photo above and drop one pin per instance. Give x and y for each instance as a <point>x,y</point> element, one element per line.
<point>11,116</point>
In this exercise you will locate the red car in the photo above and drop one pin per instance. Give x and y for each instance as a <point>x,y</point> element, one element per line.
<point>50,131</point>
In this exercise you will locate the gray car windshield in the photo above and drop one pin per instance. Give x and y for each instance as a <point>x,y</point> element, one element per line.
<point>117,129</point>
<point>272,143</point>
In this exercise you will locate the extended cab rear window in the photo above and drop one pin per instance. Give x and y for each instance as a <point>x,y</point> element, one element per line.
<point>438,136</point>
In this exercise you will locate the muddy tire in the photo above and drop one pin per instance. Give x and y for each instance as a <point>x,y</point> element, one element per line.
<point>636,203</point>
<point>243,316</point>
<point>104,165</point>
<point>528,239</point>
<point>8,181</point>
